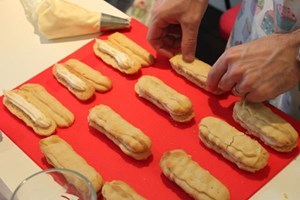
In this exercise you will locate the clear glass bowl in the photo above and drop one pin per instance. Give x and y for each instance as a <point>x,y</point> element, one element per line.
<point>55,184</point>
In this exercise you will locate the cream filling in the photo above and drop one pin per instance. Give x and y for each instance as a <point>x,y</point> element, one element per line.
<point>70,78</point>
<point>121,58</point>
<point>35,115</point>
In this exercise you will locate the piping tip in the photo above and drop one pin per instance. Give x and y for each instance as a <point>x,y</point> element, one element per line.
<point>111,22</point>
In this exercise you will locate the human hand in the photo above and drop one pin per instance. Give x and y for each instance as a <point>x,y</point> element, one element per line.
<point>174,26</point>
<point>259,70</point>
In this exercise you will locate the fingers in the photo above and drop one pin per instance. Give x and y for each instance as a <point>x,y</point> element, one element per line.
<point>189,41</point>
<point>164,37</point>
<point>238,92</point>
<point>216,73</point>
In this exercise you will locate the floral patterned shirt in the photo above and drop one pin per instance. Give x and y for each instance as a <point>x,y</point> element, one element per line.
<point>258,18</point>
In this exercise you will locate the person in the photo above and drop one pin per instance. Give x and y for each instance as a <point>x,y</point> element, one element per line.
<point>260,61</point>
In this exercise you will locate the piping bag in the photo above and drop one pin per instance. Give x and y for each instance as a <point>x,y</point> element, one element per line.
<point>56,19</point>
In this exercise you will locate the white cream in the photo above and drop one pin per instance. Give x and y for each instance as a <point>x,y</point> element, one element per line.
<point>121,58</point>
<point>35,114</point>
<point>72,80</point>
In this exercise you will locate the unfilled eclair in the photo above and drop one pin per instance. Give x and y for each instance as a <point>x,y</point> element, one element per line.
<point>263,123</point>
<point>131,140</point>
<point>232,144</point>
<point>164,97</point>
<point>196,181</point>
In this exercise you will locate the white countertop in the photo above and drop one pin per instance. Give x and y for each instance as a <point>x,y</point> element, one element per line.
<point>23,54</point>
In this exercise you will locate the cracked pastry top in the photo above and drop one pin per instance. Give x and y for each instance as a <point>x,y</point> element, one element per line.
<point>232,144</point>
<point>262,122</point>
<point>196,181</point>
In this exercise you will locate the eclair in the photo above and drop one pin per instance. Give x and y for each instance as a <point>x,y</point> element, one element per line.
<point>131,140</point>
<point>119,190</point>
<point>38,109</point>
<point>179,167</point>
<point>122,53</point>
<point>263,123</point>
<point>60,154</point>
<point>73,81</point>
<point>62,116</point>
<point>146,57</point>
<point>22,107</point>
<point>100,82</point>
<point>166,98</point>
<point>195,72</point>
<point>232,144</point>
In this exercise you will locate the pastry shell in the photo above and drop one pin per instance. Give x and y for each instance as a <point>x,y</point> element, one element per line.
<point>263,123</point>
<point>131,140</point>
<point>232,144</point>
<point>60,154</point>
<point>179,167</point>
<point>166,98</point>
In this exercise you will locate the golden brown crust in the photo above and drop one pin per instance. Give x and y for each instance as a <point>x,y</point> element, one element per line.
<point>15,110</point>
<point>122,53</point>
<point>119,190</point>
<point>260,121</point>
<point>100,82</point>
<point>196,71</point>
<point>60,154</point>
<point>166,98</point>
<point>41,111</point>
<point>49,104</point>
<point>130,67</point>
<point>82,94</point>
<point>232,144</point>
<point>133,47</point>
<point>179,167</point>
<point>131,140</point>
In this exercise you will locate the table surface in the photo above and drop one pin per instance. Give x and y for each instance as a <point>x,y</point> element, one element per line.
<point>24,54</point>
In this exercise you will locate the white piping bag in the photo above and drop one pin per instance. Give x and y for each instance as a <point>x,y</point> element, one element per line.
<point>60,19</point>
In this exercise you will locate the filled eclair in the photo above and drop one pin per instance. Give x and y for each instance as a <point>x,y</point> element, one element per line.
<point>131,140</point>
<point>263,123</point>
<point>166,98</point>
<point>196,181</point>
<point>196,71</point>
<point>61,154</point>
<point>232,144</point>
<point>122,53</point>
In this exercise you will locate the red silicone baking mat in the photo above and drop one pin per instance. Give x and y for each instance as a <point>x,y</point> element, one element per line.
<point>144,176</point>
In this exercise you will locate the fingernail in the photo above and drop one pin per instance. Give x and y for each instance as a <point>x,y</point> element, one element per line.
<point>188,58</point>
